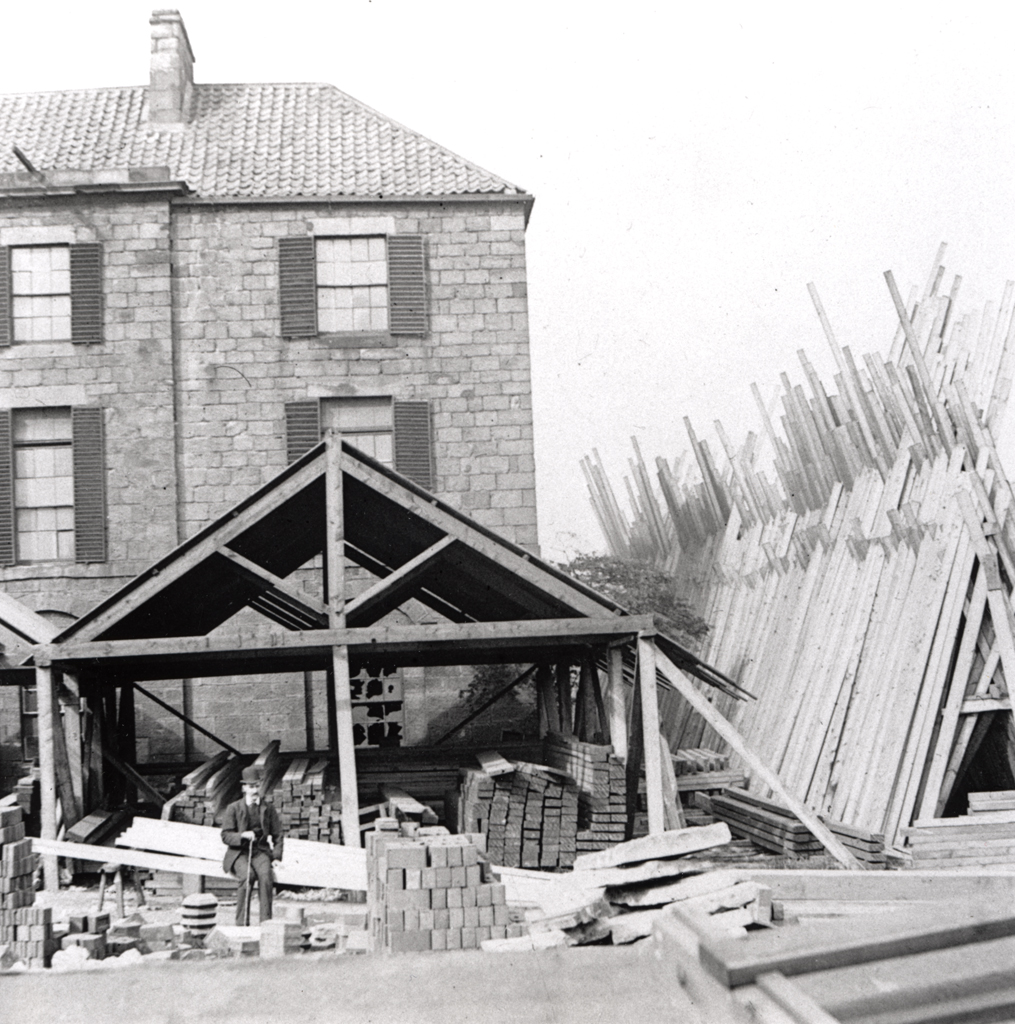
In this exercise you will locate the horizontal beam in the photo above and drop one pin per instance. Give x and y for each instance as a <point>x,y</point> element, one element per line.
<point>978,705</point>
<point>450,641</point>
<point>133,858</point>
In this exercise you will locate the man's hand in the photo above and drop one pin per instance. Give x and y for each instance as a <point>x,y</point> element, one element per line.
<point>248,835</point>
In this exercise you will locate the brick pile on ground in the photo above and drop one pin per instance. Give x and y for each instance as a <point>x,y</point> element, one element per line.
<point>600,777</point>
<point>26,931</point>
<point>529,815</point>
<point>432,893</point>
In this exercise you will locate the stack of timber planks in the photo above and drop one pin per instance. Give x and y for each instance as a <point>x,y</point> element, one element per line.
<point>529,815</point>
<point>992,800</point>
<point>937,962</point>
<point>985,839</point>
<point>854,561</point>
<point>432,893</point>
<point>602,789</point>
<point>25,929</point>
<point>305,793</point>
<point>692,760</point>
<point>775,828</point>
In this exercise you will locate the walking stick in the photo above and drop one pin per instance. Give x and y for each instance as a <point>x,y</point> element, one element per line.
<point>250,861</point>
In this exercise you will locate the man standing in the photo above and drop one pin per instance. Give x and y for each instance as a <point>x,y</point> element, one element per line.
<point>253,832</point>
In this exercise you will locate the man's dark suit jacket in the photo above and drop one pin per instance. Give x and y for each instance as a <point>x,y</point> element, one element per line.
<point>262,819</point>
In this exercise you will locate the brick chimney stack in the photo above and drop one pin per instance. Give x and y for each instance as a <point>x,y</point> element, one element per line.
<point>172,70</point>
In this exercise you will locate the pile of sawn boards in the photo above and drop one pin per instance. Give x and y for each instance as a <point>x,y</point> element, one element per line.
<point>985,839</point>
<point>775,828</point>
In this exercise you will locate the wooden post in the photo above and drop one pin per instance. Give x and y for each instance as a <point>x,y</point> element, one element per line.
<point>44,696</point>
<point>549,716</point>
<point>70,707</point>
<point>564,697</point>
<point>617,702</point>
<point>334,556</point>
<point>125,732</point>
<point>650,734</point>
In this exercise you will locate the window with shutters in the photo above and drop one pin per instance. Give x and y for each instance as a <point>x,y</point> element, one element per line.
<point>52,485</point>
<point>51,293</point>
<point>367,287</point>
<point>395,433</point>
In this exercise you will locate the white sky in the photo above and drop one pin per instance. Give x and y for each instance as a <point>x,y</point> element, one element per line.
<point>692,172</point>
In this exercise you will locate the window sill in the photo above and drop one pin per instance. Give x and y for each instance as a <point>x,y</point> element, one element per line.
<point>359,339</point>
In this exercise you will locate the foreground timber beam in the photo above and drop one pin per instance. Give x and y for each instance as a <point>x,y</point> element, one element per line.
<point>46,700</point>
<point>650,735</point>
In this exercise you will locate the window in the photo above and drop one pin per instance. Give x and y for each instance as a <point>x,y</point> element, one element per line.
<point>40,293</point>
<point>352,284</point>
<point>43,485</point>
<point>366,423</point>
<point>52,485</point>
<point>396,434</point>
<point>356,285</point>
<point>51,293</point>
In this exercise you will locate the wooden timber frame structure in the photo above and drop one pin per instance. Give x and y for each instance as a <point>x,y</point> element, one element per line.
<point>498,604</point>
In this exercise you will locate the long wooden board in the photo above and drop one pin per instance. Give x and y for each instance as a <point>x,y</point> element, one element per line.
<point>824,945</point>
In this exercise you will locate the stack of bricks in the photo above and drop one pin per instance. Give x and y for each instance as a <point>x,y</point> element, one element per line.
<point>432,894</point>
<point>602,785</point>
<point>89,931</point>
<point>529,816</point>
<point>25,929</point>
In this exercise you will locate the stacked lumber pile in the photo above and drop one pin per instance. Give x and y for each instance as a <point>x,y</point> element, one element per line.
<point>602,789</point>
<point>432,893</point>
<point>984,839</point>
<point>993,800</point>
<point>615,896</point>
<point>308,801</point>
<point>529,815</point>
<point>943,962</point>
<point>775,828</point>
<point>208,790</point>
<point>26,931</point>
<point>305,793</point>
<point>688,761</point>
<point>882,549</point>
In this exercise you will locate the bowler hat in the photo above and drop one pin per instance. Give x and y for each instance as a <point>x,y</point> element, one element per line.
<point>251,775</point>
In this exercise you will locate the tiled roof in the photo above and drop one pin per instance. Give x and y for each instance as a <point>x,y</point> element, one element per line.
<point>241,140</point>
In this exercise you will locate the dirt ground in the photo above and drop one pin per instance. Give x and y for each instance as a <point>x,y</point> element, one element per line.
<point>586,985</point>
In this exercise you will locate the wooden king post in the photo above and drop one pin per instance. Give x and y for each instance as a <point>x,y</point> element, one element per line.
<point>334,554</point>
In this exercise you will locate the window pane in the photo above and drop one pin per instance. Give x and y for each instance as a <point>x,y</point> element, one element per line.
<point>383,449</point>
<point>40,270</point>
<point>332,320</point>
<point>351,415</point>
<point>348,271</point>
<point>42,424</point>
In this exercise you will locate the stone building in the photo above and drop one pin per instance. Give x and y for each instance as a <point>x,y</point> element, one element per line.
<point>195,281</point>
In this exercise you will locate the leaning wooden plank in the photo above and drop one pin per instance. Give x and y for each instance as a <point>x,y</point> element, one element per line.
<point>200,775</point>
<point>675,843</point>
<point>822,945</point>
<point>403,802</point>
<point>761,770</point>
<point>493,763</point>
<point>135,858</point>
<point>673,892</point>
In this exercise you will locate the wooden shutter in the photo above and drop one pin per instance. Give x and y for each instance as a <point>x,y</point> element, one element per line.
<point>413,448</point>
<point>6,327</point>
<point>7,553</point>
<point>302,428</point>
<point>297,287</point>
<point>86,293</point>
<point>406,285</point>
<point>88,452</point>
